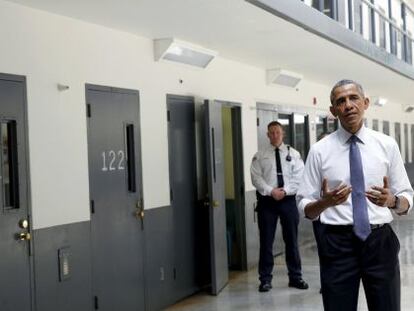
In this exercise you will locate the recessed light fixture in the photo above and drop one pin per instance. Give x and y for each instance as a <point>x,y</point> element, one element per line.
<point>283,77</point>
<point>409,108</point>
<point>380,101</point>
<point>174,50</point>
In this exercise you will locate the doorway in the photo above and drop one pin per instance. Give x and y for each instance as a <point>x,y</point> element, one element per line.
<point>225,194</point>
<point>296,129</point>
<point>234,187</point>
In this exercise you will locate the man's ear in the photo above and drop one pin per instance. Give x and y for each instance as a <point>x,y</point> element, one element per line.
<point>332,110</point>
<point>366,103</point>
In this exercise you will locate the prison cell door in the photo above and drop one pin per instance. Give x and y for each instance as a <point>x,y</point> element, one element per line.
<point>116,198</point>
<point>15,276</point>
<point>216,201</point>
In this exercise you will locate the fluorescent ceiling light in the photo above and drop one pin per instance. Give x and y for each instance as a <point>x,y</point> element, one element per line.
<point>283,77</point>
<point>182,52</point>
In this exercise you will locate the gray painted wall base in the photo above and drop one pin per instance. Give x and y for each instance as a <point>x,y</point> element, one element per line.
<point>73,292</point>
<point>159,258</point>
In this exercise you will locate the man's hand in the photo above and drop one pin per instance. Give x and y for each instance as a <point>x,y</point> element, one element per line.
<point>278,193</point>
<point>381,196</point>
<point>336,196</point>
<point>328,199</point>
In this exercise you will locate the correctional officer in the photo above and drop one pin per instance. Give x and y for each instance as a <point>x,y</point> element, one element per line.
<point>354,181</point>
<point>276,172</point>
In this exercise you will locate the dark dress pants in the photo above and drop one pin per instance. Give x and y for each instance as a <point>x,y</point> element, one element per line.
<point>268,213</point>
<point>345,261</point>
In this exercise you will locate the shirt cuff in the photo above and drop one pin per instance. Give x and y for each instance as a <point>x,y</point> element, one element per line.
<point>289,191</point>
<point>301,207</point>
<point>268,190</point>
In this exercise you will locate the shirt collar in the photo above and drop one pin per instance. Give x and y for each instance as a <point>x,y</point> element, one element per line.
<point>344,135</point>
<point>282,147</point>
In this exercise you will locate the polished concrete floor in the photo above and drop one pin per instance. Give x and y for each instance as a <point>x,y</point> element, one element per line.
<point>241,293</point>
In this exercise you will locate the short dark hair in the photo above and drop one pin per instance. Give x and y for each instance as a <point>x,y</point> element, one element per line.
<point>274,123</point>
<point>345,82</point>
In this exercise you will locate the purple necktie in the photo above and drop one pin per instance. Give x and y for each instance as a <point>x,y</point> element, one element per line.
<point>362,228</point>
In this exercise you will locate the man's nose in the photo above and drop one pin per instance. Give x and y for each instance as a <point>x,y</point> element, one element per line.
<point>348,103</point>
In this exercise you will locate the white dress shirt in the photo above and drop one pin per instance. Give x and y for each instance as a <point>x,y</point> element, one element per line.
<point>329,158</point>
<point>263,170</point>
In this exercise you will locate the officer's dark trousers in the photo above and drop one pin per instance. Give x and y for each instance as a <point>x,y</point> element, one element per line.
<point>268,213</point>
<point>345,260</point>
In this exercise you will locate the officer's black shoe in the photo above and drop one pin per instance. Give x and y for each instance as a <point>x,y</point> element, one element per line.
<point>299,284</point>
<point>265,287</point>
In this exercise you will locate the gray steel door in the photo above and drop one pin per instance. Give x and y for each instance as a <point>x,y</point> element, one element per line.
<point>15,276</point>
<point>183,183</point>
<point>217,207</point>
<point>116,198</point>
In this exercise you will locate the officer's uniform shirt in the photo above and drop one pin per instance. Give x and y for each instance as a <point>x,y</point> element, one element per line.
<point>263,170</point>
<point>329,158</point>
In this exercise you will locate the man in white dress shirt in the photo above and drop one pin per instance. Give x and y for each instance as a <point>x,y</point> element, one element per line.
<point>276,172</point>
<point>354,181</point>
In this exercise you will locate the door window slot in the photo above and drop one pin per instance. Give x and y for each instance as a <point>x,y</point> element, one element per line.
<point>9,165</point>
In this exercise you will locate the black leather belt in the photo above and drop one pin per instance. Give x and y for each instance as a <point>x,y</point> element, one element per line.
<point>373,227</point>
<point>349,228</point>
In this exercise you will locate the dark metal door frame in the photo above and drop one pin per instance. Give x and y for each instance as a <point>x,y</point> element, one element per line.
<point>239,185</point>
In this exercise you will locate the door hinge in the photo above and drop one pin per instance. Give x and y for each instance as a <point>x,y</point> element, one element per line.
<point>257,121</point>
<point>88,110</point>
<point>171,195</point>
<point>95,302</point>
<point>92,205</point>
<point>168,116</point>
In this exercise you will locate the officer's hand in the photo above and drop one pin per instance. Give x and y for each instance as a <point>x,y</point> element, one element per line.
<point>336,196</point>
<point>278,193</point>
<point>381,196</point>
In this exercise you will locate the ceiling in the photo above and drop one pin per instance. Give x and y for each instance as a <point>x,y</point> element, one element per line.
<point>239,31</point>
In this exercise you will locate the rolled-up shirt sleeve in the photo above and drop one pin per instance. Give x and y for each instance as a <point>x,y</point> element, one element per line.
<point>257,177</point>
<point>311,182</point>
<point>398,178</point>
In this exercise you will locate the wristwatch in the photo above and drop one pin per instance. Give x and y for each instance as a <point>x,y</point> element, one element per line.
<point>397,203</point>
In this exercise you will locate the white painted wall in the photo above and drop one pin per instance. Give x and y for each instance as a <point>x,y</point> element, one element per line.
<point>50,49</point>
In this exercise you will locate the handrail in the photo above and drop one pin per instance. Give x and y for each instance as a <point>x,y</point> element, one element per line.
<point>396,26</point>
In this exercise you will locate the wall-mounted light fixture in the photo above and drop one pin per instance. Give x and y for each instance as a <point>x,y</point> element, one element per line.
<point>283,77</point>
<point>409,108</point>
<point>380,101</point>
<point>182,52</point>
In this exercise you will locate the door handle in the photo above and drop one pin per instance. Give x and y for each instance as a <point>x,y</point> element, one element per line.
<point>24,236</point>
<point>216,203</point>
<point>140,214</point>
<point>23,223</point>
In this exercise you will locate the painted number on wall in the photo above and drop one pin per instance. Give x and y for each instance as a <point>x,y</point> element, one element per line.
<point>113,160</point>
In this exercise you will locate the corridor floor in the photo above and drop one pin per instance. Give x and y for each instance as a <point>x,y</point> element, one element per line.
<point>241,293</point>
